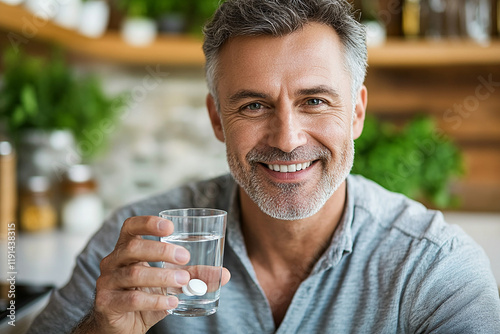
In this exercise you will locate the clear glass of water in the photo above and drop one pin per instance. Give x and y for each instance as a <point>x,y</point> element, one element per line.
<point>202,232</point>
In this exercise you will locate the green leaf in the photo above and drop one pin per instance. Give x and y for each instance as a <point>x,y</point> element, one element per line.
<point>18,116</point>
<point>28,100</point>
<point>46,94</point>
<point>410,160</point>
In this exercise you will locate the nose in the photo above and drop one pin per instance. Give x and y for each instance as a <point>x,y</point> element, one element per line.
<point>286,131</point>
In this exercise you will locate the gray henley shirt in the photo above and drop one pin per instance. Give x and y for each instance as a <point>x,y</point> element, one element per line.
<point>392,267</point>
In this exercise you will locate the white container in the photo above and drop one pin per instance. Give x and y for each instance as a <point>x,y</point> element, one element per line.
<point>45,9</point>
<point>69,14</point>
<point>82,209</point>
<point>376,34</point>
<point>12,2</point>
<point>478,20</point>
<point>94,18</point>
<point>139,31</point>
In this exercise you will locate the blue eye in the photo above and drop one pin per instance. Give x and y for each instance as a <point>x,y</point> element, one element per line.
<point>314,102</point>
<point>254,106</point>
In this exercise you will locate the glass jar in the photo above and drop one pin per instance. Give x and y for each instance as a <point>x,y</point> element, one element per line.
<point>37,212</point>
<point>82,209</point>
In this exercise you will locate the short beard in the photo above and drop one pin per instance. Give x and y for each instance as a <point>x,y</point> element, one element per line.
<point>288,202</point>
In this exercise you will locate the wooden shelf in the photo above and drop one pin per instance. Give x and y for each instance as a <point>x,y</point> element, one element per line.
<point>184,50</point>
<point>408,53</point>
<point>172,50</point>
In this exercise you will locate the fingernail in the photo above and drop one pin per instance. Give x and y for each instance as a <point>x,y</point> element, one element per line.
<point>162,226</point>
<point>172,302</point>
<point>181,277</point>
<point>181,255</point>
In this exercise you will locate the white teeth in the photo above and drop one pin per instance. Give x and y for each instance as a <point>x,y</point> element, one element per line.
<point>289,168</point>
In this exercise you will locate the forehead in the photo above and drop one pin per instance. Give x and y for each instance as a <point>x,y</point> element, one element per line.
<point>313,53</point>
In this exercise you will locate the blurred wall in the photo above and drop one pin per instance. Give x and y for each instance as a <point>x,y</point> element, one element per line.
<point>162,139</point>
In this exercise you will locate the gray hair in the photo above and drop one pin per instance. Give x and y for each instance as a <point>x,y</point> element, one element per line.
<point>281,17</point>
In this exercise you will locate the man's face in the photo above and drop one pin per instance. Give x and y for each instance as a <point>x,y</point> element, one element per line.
<point>286,117</point>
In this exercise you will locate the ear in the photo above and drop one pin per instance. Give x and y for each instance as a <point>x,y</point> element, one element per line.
<point>360,112</point>
<point>215,118</point>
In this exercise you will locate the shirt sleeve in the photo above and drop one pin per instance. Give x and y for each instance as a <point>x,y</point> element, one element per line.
<point>454,292</point>
<point>68,305</point>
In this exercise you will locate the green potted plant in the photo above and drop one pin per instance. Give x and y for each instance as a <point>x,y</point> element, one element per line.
<point>172,16</point>
<point>416,160</point>
<point>198,12</point>
<point>191,15</point>
<point>44,95</point>
<point>139,25</point>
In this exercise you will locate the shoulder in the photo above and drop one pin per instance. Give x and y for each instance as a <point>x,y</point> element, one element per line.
<point>442,275</point>
<point>396,213</point>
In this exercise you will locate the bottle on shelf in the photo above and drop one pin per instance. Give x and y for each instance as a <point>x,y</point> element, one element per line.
<point>8,187</point>
<point>477,20</point>
<point>436,18</point>
<point>498,17</point>
<point>411,18</point>
<point>82,209</point>
<point>376,32</point>
<point>37,212</point>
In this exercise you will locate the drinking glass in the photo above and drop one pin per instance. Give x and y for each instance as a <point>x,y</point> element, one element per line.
<point>202,232</point>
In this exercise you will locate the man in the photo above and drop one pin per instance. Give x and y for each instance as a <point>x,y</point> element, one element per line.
<point>309,248</point>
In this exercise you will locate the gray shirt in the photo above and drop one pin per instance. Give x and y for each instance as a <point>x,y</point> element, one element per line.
<point>392,266</point>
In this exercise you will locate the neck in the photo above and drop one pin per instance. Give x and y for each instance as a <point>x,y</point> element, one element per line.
<point>279,245</point>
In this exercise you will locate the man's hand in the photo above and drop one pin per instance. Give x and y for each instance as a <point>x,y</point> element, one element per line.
<point>130,294</point>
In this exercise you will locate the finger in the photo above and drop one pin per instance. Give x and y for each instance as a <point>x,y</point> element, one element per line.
<point>226,276</point>
<point>145,225</point>
<point>132,301</point>
<point>142,250</point>
<point>141,276</point>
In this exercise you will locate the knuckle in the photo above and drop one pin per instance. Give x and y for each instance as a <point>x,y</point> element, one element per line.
<point>101,300</point>
<point>99,284</point>
<point>133,246</point>
<point>151,221</point>
<point>127,223</point>
<point>134,298</point>
<point>166,276</point>
<point>158,303</point>
<point>104,263</point>
<point>104,283</point>
<point>165,249</point>
<point>134,273</point>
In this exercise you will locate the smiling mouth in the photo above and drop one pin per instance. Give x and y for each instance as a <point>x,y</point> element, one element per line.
<point>289,168</point>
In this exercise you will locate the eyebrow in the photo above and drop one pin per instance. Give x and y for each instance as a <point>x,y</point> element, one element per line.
<point>249,94</point>
<point>246,94</point>
<point>322,89</point>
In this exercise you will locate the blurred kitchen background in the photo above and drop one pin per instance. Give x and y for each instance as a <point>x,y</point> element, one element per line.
<point>102,103</point>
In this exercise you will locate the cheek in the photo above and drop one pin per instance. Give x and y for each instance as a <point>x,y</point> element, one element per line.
<point>331,131</point>
<point>241,137</point>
